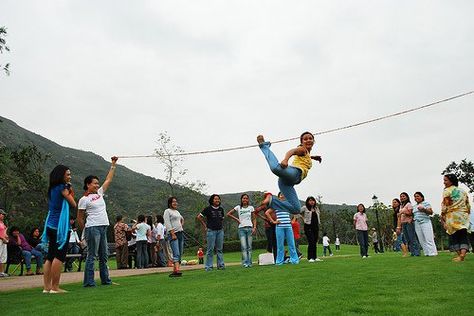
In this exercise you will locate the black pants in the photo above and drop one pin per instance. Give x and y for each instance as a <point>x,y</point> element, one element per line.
<point>271,240</point>
<point>363,238</point>
<point>312,234</point>
<point>376,247</point>
<point>459,240</point>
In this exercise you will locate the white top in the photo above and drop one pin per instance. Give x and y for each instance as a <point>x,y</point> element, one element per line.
<point>74,237</point>
<point>141,230</point>
<point>159,230</point>
<point>337,241</point>
<point>325,241</point>
<point>245,215</point>
<point>173,220</point>
<point>94,206</point>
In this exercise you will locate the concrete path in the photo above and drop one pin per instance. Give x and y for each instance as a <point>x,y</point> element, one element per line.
<point>34,281</point>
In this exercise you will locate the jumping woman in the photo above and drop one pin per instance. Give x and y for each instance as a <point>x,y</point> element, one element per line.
<point>288,176</point>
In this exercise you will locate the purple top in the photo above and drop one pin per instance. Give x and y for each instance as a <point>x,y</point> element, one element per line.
<point>24,244</point>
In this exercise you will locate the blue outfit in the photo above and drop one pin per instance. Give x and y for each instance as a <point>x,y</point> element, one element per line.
<point>55,204</point>
<point>284,231</point>
<point>245,236</point>
<point>287,178</point>
<point>58,221</point>
<point>96,237</point>
<point>177,246</point>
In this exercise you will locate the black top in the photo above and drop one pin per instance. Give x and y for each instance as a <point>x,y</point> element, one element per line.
<point>34,241</point>
<point>395,216</point>
<point>214,217</point>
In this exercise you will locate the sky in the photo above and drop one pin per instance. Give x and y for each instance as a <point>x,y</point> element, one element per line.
<point>110,76</point>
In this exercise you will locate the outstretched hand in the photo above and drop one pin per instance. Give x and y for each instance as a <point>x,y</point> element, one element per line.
<point>114,159</point>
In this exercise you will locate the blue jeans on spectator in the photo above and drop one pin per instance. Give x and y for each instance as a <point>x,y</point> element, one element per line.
<point>142,254</point>
<point>39,258</point>
<point>245,235</point>
<point>96,238</point>
<point>409,238</point>
<point>283,233</point>
<point>363,238</point>
<point>215,240</point>
<point>287,178</point>
<point>177,246</point>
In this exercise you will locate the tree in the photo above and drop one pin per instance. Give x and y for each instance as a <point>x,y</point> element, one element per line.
<point>464,171</point>
<point>22,174</point>
<point>168,154</point>
<point>4,47</point>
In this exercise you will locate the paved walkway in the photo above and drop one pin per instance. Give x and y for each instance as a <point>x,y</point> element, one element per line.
<point>26,282</point>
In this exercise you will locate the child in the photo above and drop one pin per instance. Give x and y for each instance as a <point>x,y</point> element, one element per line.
<point>338,243</point>
<point>288,176</point>
<point>326,245</point>
<point>295,225</point>
<point>200,255</point>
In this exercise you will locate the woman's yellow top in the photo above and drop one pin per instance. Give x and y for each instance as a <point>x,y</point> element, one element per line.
<point>304,163</point>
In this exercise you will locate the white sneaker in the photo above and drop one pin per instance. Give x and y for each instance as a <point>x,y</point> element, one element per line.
<point>3,275</point>
<point>363,257</point>
<point>318,260</point>
<point>331,255</point>
<point>311,260</point>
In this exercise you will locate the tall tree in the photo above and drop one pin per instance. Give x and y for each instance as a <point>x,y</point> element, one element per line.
<point>464,171</point>
<point>4,47</point>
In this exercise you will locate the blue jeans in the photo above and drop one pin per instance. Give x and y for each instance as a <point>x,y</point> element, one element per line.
<point>215,239</point>
<point>177,246</point>
<point>245,235</point>
<point>409,238</point>
<point>283,233</point>
<point>96,238</point>
<point>363,238</point>
<point>39,258</point>
<point>142,254</point>
<point>287,178</point>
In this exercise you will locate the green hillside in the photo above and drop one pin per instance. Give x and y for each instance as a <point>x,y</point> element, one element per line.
<point>130,194</point>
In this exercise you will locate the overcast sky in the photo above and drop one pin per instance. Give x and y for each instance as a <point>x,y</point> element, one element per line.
<point>109,76</point>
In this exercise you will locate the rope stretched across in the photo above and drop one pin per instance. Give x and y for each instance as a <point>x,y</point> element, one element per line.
<point>315,134</point>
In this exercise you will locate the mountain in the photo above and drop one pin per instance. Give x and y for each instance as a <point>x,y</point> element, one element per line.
<point>130,194</point>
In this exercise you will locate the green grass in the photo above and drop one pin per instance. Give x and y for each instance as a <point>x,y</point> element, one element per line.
<point>345,284</point>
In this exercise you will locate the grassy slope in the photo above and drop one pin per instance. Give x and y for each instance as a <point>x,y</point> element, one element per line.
<point>341,285</point>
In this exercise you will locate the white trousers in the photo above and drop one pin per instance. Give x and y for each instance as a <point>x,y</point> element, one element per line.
<point>426,238</point>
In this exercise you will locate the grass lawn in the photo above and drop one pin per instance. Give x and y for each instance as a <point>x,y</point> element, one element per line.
<point>345,284</point>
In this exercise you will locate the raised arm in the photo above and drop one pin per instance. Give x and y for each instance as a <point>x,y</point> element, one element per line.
<point>298,151</point>
<point>110,175</point>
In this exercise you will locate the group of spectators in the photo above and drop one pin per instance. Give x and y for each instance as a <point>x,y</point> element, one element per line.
<point>413,226</point>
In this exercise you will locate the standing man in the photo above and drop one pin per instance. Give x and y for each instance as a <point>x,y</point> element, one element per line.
<point>214,215</point>
<point>93,205</point>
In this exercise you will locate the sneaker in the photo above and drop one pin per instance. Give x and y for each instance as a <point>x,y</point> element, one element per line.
<point>363,257</point>
<point>318,260</point>
<point>3,275</point>
<point>331,255</point>
<point>311,260</point>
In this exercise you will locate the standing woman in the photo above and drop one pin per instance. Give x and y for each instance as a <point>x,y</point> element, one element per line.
<point>407,226</point>
<point>174,227</point>
<point>398,240</point>
<point>247,226</point>
<point>360,224</point>
<point>214,215</point>
<point>312,222</point>
<point>93,204</point>
<point>424,229</point>
<point>60,199</point>
<point>455,210</point>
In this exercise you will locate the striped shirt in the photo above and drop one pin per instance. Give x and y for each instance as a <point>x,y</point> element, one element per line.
<point>284,218</point>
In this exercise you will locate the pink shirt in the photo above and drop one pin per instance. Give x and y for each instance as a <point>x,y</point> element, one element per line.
<point>3,230</point>
<point>360,221</point>
<point>406,213</point>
